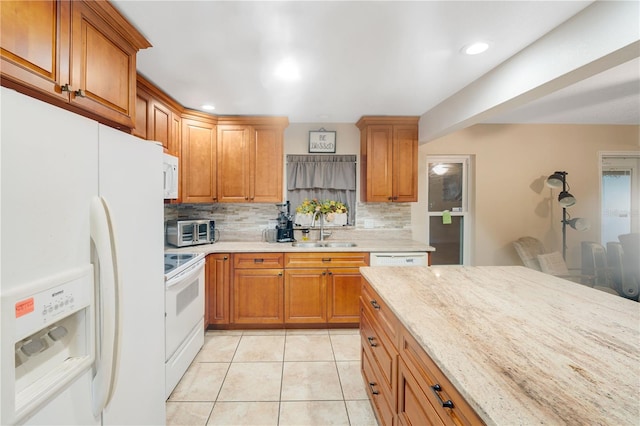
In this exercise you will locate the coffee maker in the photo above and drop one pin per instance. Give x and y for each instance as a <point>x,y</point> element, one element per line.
<point>284,228</point>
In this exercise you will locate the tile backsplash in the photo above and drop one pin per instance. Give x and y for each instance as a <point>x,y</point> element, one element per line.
<point>245,222</point>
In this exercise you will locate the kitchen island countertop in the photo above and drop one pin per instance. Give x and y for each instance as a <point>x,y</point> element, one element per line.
<point>521,346</point>
<point>263,247</point>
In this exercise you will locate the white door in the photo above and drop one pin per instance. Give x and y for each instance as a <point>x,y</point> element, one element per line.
<point>448,209</point>
<point>132,185</point>
<point>49,158</point>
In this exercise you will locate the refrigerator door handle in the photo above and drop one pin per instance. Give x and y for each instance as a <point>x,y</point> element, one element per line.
<point>107,288</point>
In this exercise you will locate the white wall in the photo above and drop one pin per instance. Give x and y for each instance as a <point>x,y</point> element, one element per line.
<point>511,200</point>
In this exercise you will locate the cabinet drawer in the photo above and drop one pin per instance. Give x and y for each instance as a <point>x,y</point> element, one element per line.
<point>413,406</point>
<point>380,351</point>
<point>380,312</point>
<point>258,260</point>
<point>380,398</point>
<point>435,386</point>
<point>326,260</point>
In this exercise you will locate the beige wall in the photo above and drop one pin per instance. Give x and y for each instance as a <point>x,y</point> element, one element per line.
<point>510,198</point>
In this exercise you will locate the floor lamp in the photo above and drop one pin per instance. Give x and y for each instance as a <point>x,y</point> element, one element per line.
<point>556,181</point>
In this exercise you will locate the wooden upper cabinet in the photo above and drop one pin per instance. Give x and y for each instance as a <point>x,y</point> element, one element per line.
<point>143,104</point>
<point>78,54</point>
<point>267,159</point>
<point>35,37</point>
<point>233,163</point>
<point>198,159</point>
<point>158,116</point>
<point>389,157</point>
<point>250,159</point>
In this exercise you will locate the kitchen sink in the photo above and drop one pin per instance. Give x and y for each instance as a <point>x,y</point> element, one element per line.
<point>320,244</point>
<point>305,244</point>
<point>340,244</point>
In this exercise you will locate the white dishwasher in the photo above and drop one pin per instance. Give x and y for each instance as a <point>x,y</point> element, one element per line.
<point>398,259</point>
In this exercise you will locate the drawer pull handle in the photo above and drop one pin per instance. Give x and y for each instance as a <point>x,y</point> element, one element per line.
<point>436,391</point>
<point>258,260</point>
<point>373,391</point>
<point>371,343</point>
<point>375,304</point>
<point>326,259</point>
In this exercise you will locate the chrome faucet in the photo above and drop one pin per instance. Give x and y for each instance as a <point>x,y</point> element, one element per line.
<point>313,223</point>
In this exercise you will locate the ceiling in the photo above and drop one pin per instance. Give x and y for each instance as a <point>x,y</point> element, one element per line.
<point>360,57</point>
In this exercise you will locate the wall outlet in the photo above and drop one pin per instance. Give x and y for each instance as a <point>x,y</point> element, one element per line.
<point>368,223</point>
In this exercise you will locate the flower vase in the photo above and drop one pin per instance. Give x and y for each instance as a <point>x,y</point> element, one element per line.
<point>340,219</point>
<point>304,219</point>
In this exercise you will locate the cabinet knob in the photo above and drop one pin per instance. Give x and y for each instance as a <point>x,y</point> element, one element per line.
<point>436,391</point>
<point>371,343</point>
<point>225,258</point>
<point>373,391</point>
<point>66,88</point>
<point>80,93</point>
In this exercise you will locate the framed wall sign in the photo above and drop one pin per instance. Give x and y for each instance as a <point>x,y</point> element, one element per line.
<point>322,141</point>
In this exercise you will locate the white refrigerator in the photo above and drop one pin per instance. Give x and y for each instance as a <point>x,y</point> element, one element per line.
<point>81,270</point>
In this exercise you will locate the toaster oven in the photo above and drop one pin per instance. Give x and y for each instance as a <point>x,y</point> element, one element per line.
<point>190,232</point>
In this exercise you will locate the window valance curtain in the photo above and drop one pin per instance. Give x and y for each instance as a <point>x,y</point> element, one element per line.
<point>325,177</point>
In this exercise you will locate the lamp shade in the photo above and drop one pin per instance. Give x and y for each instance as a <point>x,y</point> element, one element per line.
<point>566,200</point>
<point>579,224</point>
<point>555,180</point>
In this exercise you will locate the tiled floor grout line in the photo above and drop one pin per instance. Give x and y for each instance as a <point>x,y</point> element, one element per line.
<point>211,417</point>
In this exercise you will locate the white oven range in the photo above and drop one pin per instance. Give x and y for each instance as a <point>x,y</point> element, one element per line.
<point>184,313</point>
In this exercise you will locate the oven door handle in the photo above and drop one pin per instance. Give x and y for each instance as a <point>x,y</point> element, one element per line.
<point>186,275</point>
<point>107,290</point>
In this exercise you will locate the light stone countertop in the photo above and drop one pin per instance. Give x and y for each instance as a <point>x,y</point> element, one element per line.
<point>521,346</point>
<point>263,247</point>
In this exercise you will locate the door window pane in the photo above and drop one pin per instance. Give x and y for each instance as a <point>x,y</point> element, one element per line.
<point>447,240</point>
<point>616,204</point>
<point>445,187</point>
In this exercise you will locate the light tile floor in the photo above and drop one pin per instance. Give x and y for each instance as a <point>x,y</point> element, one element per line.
<point>273,377</point>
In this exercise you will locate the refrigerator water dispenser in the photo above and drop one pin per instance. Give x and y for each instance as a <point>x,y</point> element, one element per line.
<point>51,322</point>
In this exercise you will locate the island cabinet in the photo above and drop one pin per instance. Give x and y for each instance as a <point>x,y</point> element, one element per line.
<point>217,289</point>
<point>404,384</point>
<point>389,158</point>
<point>323,288</point>
<point>258,288</point>
<point>80,55</point>
<point>158,117</point>
<point>250,154</point>
<point>198,158</point>
<point>379,357</point>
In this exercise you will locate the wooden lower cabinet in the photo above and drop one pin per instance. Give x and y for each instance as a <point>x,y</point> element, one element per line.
<point>413,405</point>
<point>382,400</point>
<point>258,293</point>
<point>323,288</point>
<point>258,296</point>
<point>343,295</point>
<point>305,295</point>
<point>283,289</point>
<point>405,385</point>
<point>217,289</point>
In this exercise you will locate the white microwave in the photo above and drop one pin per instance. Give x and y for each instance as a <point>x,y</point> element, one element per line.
<point>170,172</point>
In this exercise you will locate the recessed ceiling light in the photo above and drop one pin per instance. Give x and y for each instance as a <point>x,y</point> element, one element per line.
<point>288,70</point>
<point>475,48</point>
<point>208,107</point>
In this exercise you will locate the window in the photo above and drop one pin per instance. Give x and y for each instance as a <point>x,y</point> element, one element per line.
<point>324,177</point>
<point>620,193</point>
